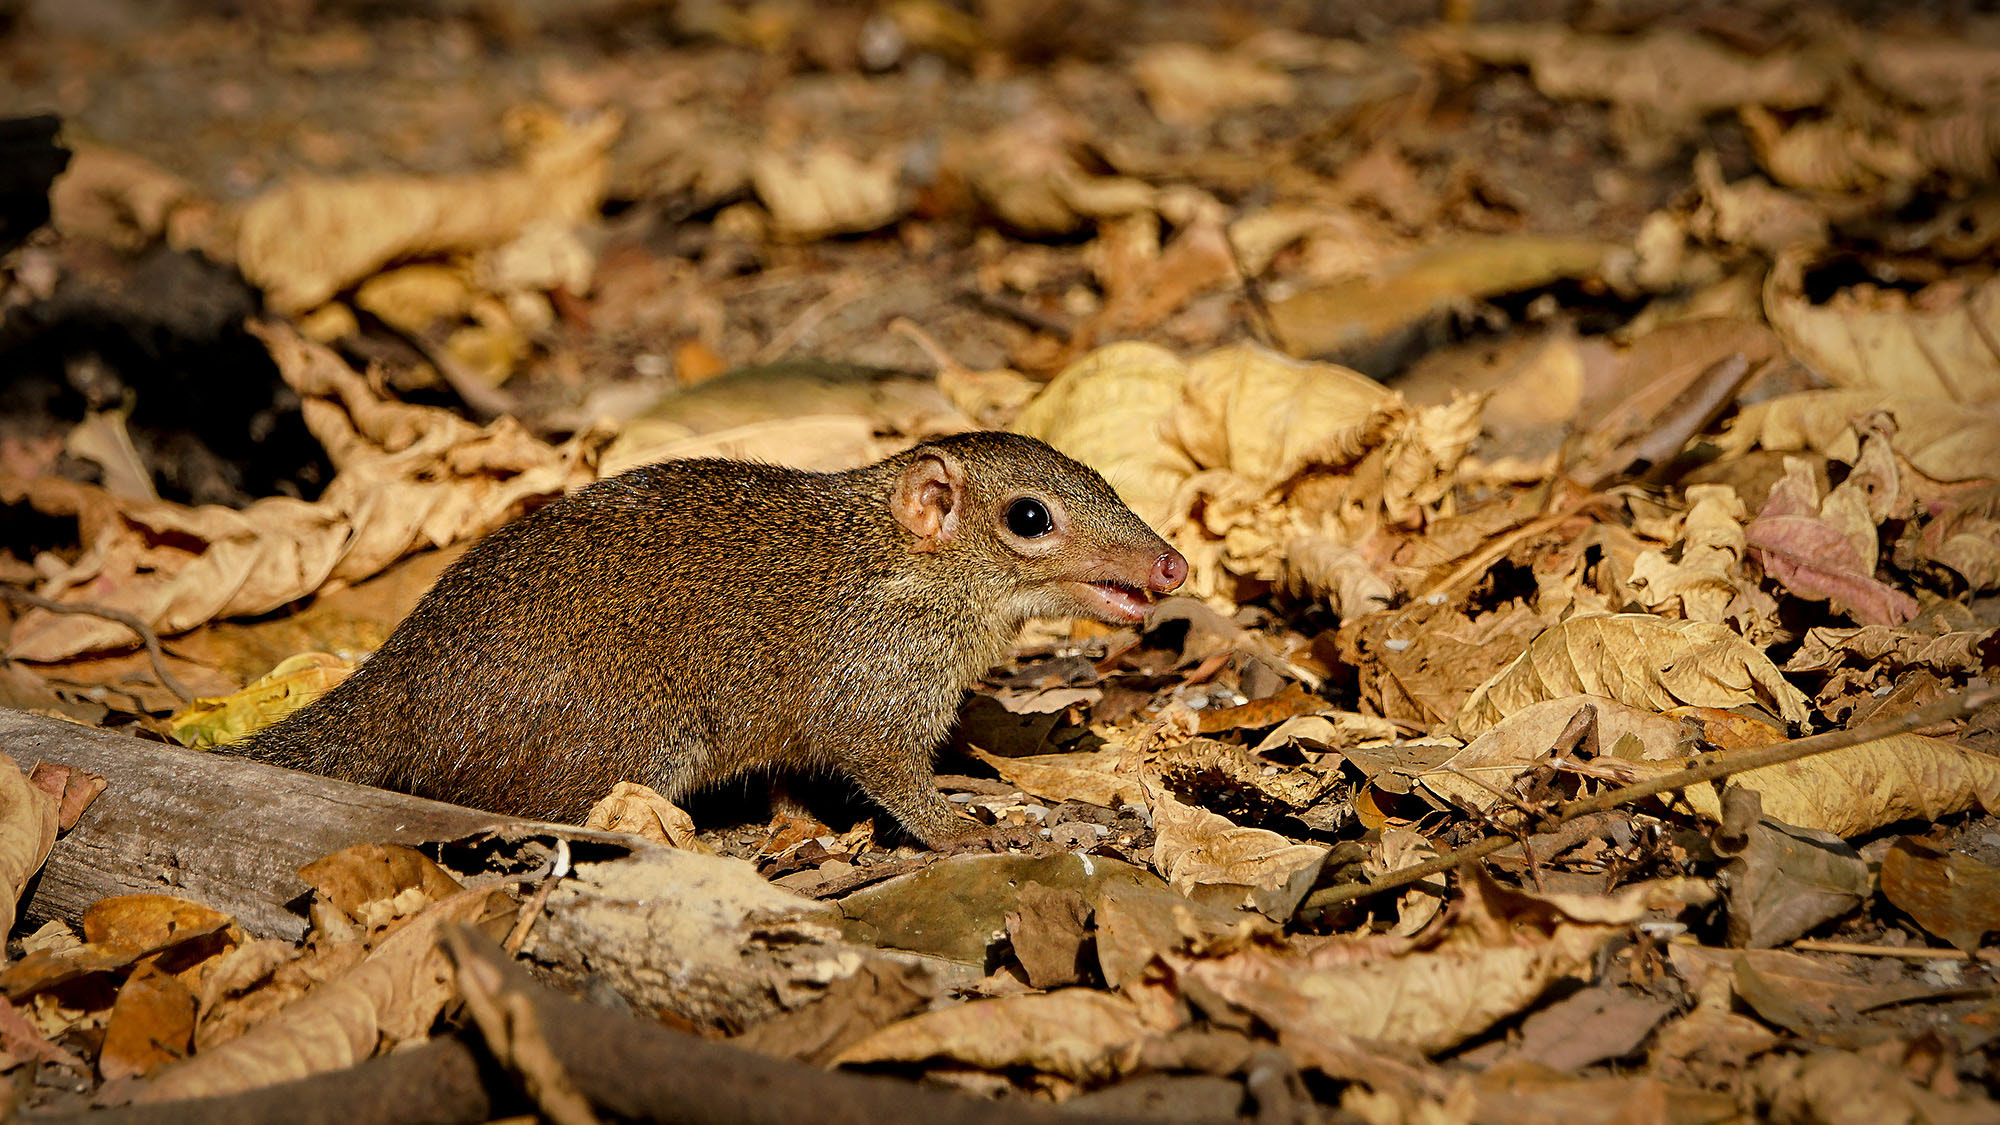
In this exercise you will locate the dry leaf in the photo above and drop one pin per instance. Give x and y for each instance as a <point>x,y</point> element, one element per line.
<point>410,477</point>
<point>641,811</point>
<point>1943,440</point>
<point>1704,577</point>
<point>1189,85</point>
<point>1076,1033</point>
<point>306,240</point>
<point>827,191</point>
<point>1669,71</point>
<point>296,681</point>
<point>377,885</point>
<point>28,815</point>
<point>1643,661</point>
<point>1950,894</point>
<point>152,1024</point>
<point>1469,778</point>
<point>1196,849</point>
<point>1827,549</point>
<point>1090,778</point>
<point>1859,789</point>
<point>1934,343</point>
<point>1502,953</point>
<point>391,997</point>
<point>1356,316</point>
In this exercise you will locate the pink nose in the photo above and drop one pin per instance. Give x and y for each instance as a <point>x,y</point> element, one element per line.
<point>1169,571</point>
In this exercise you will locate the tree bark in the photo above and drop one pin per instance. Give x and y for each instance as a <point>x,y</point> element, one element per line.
<point>227,832</point>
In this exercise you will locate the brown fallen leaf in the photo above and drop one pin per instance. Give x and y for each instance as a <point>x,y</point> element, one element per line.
<point>152,1025</point>
<point>376,885</point>
<point>1047,930</point>
<point>1189,85</point>
<point>641,811</point>
<point>307,239</point>
<point>828,191</point>
<point>1077,1033</point>
<point>390,997</point>
<point>1646,662</point>
<point>1859,789</point>
<point>28,815</point>
<point>409,477</point>
<point>1936,343</point>
<point>1204,855</point>
<point>1503,951</point>
<point>1353,318</point>
<point>1941,439</point>
<point>1950,894</point>
<point>1826,548</point>
<point>1469,778</point>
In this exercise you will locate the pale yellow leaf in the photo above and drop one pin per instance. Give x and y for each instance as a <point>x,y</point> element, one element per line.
<point>1640,660</point>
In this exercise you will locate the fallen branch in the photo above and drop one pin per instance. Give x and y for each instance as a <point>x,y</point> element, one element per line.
<point>1712,766</point>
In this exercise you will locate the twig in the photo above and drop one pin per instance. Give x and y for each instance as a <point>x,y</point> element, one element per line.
<point>146,635</point>
<point>843,291</point>
<point>1059,327</point>
<point>532,909</point>
<point>1944,710</point>
<point>1815,945</point>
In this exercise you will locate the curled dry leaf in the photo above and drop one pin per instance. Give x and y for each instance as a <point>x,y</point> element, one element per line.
<point>390,997</point>
<point>376,885</point>
<point>1962,652</point>
<point>1197,849</point>
<point>1502,951</point>
<point>308,239</point>
<point>1189,85</point>
<point>641,811</point>
<point>827,191</point>
<point>1241,451</point>
<point>296,681</point>
<point>125,201</point>
<point>1964,537</point>
<point>1888,153</point>
<point>28,815</point>
<point>1028,173</point>
<point>1518,742</point>
<point>1941,439</point>
<point>1935,343</point>
<point>1091,778</point>
<point>1077,1033</point>
<point>1862,788</point>
<point>1826,549</point>
<point>1670,72</point>
<point>1704,578</point>
<point>1643,661</point>
<point>409,477</point>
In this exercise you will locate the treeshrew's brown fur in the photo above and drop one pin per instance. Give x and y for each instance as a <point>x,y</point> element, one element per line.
<point>691,621</point>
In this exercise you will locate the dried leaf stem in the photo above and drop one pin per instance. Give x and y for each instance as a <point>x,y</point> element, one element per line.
<point>1712,767</point>
<point>146,634</point>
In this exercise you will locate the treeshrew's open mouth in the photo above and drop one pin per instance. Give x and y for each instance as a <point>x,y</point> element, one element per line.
<point>1117,601</point>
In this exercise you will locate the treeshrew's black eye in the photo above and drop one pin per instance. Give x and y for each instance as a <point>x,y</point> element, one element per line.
<point>1029,518</point>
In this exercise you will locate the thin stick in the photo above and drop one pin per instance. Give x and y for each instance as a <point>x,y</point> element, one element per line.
<point>1814,945</point>
<point>146,635</point>
<point>1944,710</point>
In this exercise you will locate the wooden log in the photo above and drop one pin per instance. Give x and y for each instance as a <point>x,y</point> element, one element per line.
<point>227,832</point>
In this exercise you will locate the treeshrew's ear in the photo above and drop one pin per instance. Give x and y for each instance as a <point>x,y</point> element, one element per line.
<point>928,498</point>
